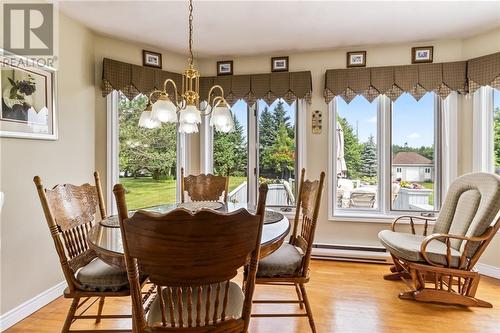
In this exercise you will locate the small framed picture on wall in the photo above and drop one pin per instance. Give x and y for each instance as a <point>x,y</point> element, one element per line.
<point>279,64</point>
<point>356,59</point>
<point>151,59</point>
<point>224,67</point>
<point>422,54</point>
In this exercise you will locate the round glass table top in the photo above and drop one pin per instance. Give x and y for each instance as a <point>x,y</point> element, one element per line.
<point>107,241</point>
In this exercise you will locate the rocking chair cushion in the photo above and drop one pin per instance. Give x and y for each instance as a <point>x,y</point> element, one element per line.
<point>285,261</point>
<point>233,309</point>
<point>407,246</point>
<point>99,276</point>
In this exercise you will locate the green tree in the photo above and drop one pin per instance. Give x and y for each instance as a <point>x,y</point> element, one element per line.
<point>281,155</point>
<point>142,150</point>
<point>352,149</point>
<point>369,158</point>
<point>230,155</point>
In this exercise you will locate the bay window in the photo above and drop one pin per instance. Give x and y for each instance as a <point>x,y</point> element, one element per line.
<point>385,157</point>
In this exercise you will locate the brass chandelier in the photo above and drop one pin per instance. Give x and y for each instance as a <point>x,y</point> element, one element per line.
<point>186,108</point>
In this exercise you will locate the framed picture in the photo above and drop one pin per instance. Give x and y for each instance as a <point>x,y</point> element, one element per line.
<point>421,54</point>
<point>151,59</point>
<point>356,59</point>
<point>279,64</point>
<point>225,67</point>
<point>28,99</point>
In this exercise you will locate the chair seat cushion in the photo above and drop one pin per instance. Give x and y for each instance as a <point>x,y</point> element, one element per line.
<point>233,309</point>
<point>99,276</point>
<point>285,261</point>
<point>407,246</point>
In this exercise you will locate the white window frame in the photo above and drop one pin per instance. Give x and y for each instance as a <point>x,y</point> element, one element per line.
<point>483,132</point>
<point>206,147</point>
<point>113,150</point>
<point>445,167</point>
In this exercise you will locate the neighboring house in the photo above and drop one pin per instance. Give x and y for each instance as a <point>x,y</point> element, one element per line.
<point>412,167</point>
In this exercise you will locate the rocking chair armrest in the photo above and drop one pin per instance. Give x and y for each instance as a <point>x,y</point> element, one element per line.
<point>447,238</point>
<point>412,224</point>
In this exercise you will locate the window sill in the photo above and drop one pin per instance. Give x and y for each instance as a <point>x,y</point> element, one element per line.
<point>375,218</point>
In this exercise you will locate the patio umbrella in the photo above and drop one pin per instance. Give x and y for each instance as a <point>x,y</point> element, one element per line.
<point>341,166</point>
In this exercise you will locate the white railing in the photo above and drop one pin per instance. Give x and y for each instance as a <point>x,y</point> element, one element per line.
<point>413,199</point>
<point>277,195</point>
<point>239,194</point>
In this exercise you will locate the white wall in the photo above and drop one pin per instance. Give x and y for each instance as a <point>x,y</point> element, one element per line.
<point>29,264</point>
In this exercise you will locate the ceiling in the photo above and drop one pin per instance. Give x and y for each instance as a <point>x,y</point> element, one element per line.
<point>237,28</point>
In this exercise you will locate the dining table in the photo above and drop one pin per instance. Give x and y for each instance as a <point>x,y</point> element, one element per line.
<point>106,240</point>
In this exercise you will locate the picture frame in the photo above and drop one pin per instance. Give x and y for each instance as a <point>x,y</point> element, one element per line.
<point>225,67</point>
<point>28,100</point>
<point>422,54</point>
<point>356,59</point>
<point>279,64</point>
<point>151,59</point>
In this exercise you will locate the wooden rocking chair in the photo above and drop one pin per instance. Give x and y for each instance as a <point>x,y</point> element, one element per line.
<point>440,267</point>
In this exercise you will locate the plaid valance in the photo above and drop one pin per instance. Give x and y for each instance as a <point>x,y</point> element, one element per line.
<point>484,71</point>
<point>133,80</point>
<point>287,85</point>
<point>417,80</point>
<point>392,81</point>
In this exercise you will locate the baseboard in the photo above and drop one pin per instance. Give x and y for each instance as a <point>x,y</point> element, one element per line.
<point>22,311</point>
<point>367,254</point>
<point>488,270</point>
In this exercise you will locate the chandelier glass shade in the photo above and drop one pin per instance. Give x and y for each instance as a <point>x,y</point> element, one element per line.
<point>184,106</point>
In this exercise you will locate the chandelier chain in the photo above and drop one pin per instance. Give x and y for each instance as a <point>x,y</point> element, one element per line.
<point>190,32</point>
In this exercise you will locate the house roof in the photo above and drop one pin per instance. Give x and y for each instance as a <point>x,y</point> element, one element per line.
<point>410,157</point>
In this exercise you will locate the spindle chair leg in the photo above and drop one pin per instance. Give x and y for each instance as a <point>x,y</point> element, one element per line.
<point>99,310</point>
<point>71,315</point>
<point>308,307</point>
<point>299,296</point>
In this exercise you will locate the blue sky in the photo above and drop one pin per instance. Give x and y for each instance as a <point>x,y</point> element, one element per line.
<point>239,109</point>
<point>412,121</point>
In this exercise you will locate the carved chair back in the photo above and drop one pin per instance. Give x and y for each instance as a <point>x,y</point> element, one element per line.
<point>71,211</point>
<point>306,216</point>
<point>188,255</point>
<point>204,187</point>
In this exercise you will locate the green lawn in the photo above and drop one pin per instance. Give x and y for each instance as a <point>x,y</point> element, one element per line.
<point>146,192</point>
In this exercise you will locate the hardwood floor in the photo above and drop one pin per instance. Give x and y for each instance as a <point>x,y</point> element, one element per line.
<point>345,297</point>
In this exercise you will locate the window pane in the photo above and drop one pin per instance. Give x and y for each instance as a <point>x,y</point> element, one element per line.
<point>231,154</point>
<point>147,157</point>
<point>276,129</point>
<point>413,157</point>
<point>356,161</point>
<point>496,129</point>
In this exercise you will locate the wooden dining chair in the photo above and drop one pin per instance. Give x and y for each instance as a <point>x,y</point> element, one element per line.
<point>71,211</point>
<point>192,258</point>
<point>204,187</point>
<point>289,265</point>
